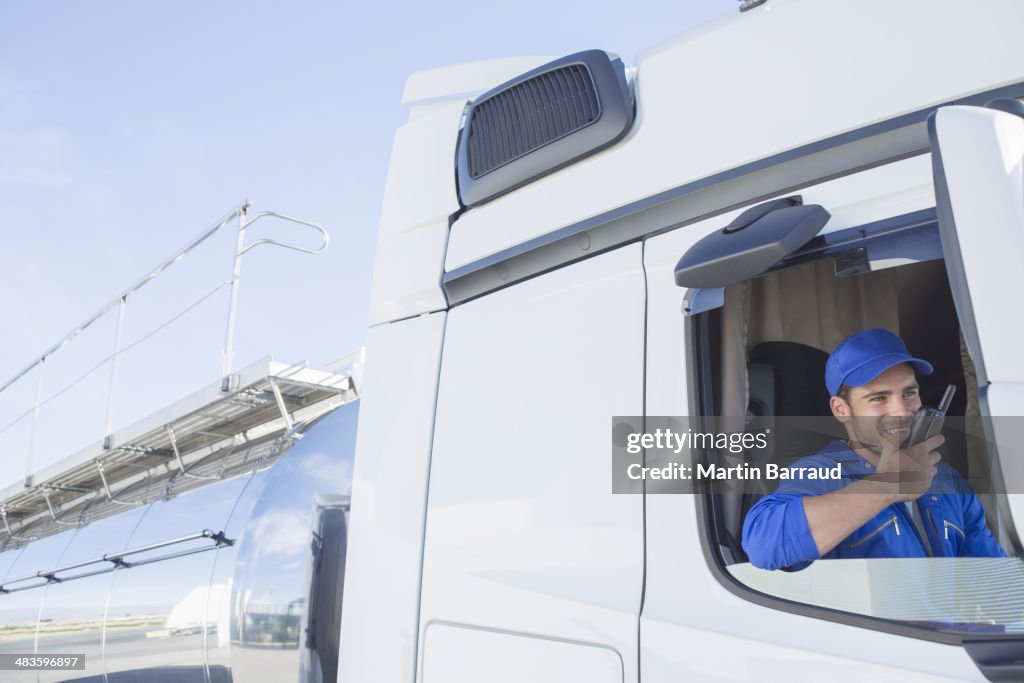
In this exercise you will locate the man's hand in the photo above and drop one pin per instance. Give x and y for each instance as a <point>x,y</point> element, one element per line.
<point>900,476</point>
<point>911,469</point>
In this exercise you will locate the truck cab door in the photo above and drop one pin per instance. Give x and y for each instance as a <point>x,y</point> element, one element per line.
<point>697,623</point>
<point>978,165</point>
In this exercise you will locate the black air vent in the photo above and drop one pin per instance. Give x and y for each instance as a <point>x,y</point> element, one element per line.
<point>529,115</point>
<point>541,121</point>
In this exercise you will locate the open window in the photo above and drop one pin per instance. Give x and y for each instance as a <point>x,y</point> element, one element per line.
<point>766,308</point>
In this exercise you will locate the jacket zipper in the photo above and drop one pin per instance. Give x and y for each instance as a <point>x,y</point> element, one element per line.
<point>934,527</point>
<point>946,524</point>
<point>892,521</point>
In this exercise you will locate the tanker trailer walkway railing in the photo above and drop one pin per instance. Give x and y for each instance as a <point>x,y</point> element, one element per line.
<point>112,561</point>
<point>240,423</point>
<point>207,437</point>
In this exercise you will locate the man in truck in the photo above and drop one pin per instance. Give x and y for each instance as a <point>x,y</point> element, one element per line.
<point>889,501</point>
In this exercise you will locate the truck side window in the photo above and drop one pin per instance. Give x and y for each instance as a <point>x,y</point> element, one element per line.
<point>766,350</point>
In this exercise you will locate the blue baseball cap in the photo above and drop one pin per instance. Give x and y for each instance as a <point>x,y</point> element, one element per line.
<point>864,356</point>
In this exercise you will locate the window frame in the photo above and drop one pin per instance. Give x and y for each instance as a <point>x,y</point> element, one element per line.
<point>697,337</point>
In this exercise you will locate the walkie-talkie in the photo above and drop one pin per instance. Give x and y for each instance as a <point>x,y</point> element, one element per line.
<point>928,421</point>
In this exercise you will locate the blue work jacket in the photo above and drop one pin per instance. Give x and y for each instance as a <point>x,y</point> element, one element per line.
<point>776,535</point>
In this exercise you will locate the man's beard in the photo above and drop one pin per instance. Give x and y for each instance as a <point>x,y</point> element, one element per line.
<point>874,433</point>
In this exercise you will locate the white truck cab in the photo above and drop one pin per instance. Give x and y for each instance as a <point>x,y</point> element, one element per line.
<point>572,252</point>
<point>535,279</point>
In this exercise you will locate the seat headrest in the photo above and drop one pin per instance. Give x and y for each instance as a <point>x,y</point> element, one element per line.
<point>799,377</point>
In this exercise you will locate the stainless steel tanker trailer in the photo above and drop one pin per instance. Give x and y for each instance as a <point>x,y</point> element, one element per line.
<point>167,562</point>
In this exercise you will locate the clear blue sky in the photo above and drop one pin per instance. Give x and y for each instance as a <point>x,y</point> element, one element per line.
<point>127,127</point>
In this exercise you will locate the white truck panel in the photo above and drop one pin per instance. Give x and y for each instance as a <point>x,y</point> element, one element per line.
<point>523,532</point>
<point>382,573</point>
<point>983,158</point>
<point>460,655</point>
<point>419,197</point>
<point>697,653</point>
<point>982,155</point>
<point>752,85</point>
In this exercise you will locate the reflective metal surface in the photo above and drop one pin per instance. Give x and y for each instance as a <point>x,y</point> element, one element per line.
<point>235,613</point>
<point>7,559</point>
<point>19,616</point>
<point>218,611</point>
<point>270,591</point>
<point>71,618</point>
<point>156,612</point>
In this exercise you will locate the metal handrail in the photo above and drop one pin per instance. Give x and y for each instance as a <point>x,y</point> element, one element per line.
<point>195,242</point>
<point>109,358</point>
<point>227,355</point>
<point>117,560</point>
<point>305,250</point>
<point>244,220</point>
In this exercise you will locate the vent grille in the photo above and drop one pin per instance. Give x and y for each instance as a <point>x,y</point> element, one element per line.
<point>530,114</point>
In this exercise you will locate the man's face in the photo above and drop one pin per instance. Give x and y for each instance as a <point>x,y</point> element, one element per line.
<point>881,410</point>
